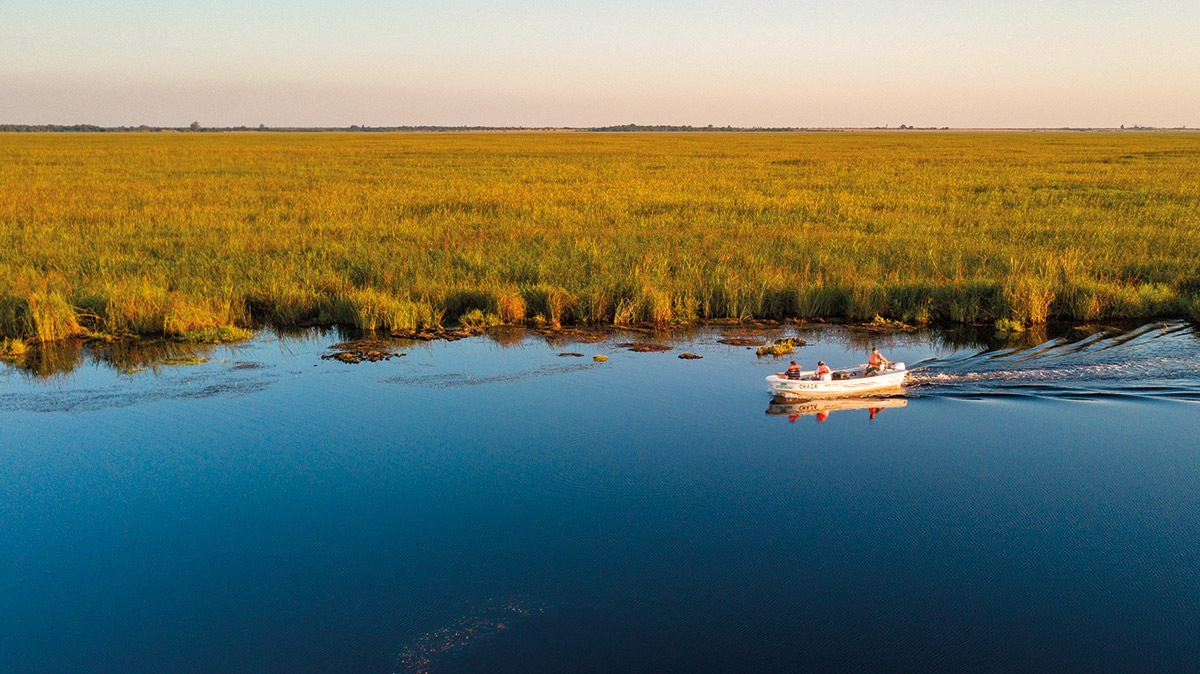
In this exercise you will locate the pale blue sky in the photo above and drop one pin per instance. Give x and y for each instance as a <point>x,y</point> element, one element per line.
<point>769,63</point>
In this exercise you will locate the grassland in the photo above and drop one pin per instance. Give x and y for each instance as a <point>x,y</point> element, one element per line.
<point>194,234</point>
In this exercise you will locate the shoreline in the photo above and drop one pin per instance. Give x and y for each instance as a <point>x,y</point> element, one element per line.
<point>881,325</point>
<point>1023,306</point>
<point>767,340</point>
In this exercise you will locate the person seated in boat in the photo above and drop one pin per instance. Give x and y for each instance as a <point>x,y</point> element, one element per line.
<point>876,363</point>
<point>823,372</point>
<point>793,371</point>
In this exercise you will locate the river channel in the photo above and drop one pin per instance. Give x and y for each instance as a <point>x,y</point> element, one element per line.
<point>1030,504</point>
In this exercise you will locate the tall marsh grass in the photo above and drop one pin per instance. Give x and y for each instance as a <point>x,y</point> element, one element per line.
<point>187,234</point>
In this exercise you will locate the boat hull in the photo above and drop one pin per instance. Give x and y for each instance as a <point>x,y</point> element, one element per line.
<point>889,381</point>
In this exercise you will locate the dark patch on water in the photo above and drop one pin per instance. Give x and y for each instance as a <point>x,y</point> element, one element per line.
<point>142,389</point>
<point>644,347</point>
<point>742,341</point>
<point>478,624</point>
<point>89,400</point>
<point>453,379</point>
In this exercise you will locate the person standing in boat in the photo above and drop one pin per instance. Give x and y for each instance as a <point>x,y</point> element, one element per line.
<point>876,363</point>
<point>823,372</point>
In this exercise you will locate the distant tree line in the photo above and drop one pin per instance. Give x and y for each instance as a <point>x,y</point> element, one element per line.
<point>91,128</point>
<point>688,127</point>
<point>197,127</point>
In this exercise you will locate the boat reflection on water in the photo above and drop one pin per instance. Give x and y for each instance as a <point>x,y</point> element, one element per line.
<point>823,407</point>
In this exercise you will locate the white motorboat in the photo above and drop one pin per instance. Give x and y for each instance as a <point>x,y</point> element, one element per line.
<point>841,383</point>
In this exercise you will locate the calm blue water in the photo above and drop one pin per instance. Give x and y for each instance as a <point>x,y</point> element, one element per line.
<point>473,507</point>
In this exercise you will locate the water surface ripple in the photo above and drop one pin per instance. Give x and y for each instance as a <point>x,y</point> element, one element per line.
<point>1155,361</point>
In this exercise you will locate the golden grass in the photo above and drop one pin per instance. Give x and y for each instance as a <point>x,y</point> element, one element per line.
<point>181,234</point>
<point>11,348</point>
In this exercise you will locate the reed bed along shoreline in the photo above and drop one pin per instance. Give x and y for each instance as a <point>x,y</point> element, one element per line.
<point>199,236</point>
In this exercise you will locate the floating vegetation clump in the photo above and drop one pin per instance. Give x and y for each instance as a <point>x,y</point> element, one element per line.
<point>365,350</point>
<point>690,356</point>
<point>742,341</point>
<point>774,350</point>
<point>183,360</point>
<point>431,334</point>
<point>781,347</point>
<point>644,347</point>
<point>882,325</point>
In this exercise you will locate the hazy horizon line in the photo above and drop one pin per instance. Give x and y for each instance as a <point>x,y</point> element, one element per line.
<point>83,127</point>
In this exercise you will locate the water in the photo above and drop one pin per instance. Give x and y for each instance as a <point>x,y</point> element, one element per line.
<point>489,506</point>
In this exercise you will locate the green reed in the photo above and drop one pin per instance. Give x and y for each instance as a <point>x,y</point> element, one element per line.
<point>183,234</point>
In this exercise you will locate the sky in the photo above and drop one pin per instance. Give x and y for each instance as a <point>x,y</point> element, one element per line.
<point>850,63</point>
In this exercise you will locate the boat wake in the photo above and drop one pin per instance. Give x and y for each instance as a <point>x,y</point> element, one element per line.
<point>1161,360</point>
